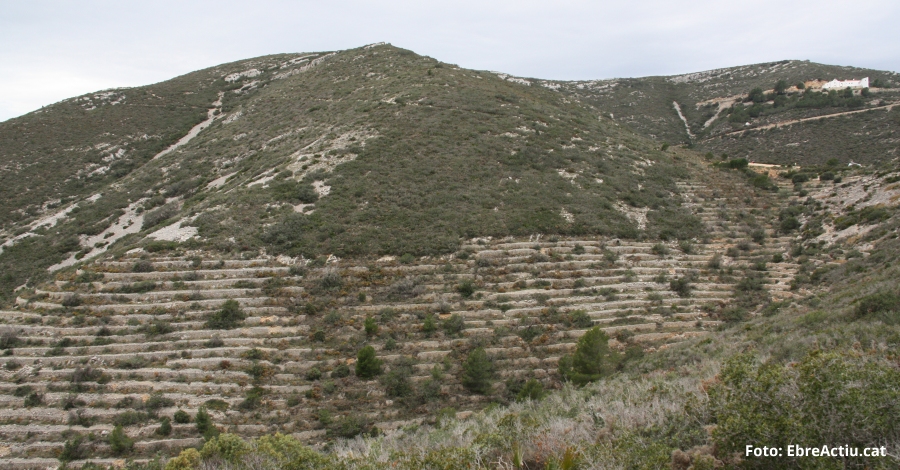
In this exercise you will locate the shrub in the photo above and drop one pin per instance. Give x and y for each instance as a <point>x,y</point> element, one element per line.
<point>736,163</point>
<point>789,224</point>
<point>230,316</point>
<point>371,326</point>
<point>259,372</point>
<point>9,339</point>
<point>681,286</point>
<point>347,427</point>
<point>532,390</point>
<point>73,449</point>
<point>477,372</point>
<point>367,365</point>
<point>429,326</point>
<point>758,235</point>
<point>204,424</point>
<point>407,258</point>
<point>837,396</point>
<point>884,306</point>
<point>454,325</point>
<point>580,319</point>
<point>71,301</point>
<point>341,371</point>
<point>119,442</point>
<point>34,399</point>
<point>660,249</point>
<point>252,399</point>
<point>227,448</point>
<point>157,401</point>
<point>165,427</point>
<point>157,216</point>
<point>142,266</point>
<point>313,374</point>
<point>131,418</point>
<point>331,281</point>
<point>396,382</point>
<point>181,417</point>
<point>86,374</point>
<point>591,360</point>
<point>466,288</point>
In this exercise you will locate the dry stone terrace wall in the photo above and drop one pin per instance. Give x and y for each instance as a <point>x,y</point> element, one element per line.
<point>145,338</point>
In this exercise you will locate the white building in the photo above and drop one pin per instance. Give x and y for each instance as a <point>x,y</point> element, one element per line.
<point>864,83</point>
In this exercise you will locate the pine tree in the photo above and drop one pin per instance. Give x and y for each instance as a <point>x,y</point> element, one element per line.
<point>367,365</point>
<point>119,442</point>
<point>204,424</point>
<point>592,358</point>
<point>478,372</point>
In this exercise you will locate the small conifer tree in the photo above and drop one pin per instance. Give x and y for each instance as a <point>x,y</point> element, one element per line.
<point>592,359</point>
<point>119,442</point>
<point>478,372</point>
<point>367,365</point>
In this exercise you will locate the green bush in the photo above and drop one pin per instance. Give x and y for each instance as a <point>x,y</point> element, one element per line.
<point>204,424</point>
<point>226,447</point>
<point>454,325</point>
<point>789,224</point>
<point>370,326</point>
<point>181,417</point>
<point>367,364</point>
<point>73,449</point>
<point>313,374</point>
<point>165,427</point>
<point>883,306</point>
<point>119,442</point>
<point>591,360</point>
<point>834,398</point>
<point>466,288</point>
<point>429,325</point>
<point>532,390</point>
<point>396,382</point>
<point>341,371</point>
<point>681,286</point>
<point>580,319</point>
<point>230,316</point>
<point>34,399</point>
<point>477,372</point>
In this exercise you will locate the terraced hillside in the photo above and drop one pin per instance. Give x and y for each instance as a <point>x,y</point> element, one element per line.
<point>129,341</point>
<point>332,153</point>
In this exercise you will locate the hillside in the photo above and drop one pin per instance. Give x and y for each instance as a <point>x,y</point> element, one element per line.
<point>372,259</point>
<point>797,126</point>
<point>334,154</point>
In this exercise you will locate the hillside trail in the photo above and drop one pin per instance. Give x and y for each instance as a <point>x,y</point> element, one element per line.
<point>795,121</point>
<point>210,117</point>
<point>681,116</point>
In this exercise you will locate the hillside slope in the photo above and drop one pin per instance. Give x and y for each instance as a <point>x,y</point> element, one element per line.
<point>337,154</point>
<point>712,111</point>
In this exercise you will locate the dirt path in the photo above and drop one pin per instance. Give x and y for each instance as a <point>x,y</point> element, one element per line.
<point>210,117</point>
<point>795,121</point>
<point>680,115</point>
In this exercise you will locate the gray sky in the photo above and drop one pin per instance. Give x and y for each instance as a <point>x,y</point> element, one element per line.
<point>51,50</point>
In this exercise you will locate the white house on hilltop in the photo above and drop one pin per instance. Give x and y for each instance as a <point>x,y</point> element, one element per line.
<point>864,83</point>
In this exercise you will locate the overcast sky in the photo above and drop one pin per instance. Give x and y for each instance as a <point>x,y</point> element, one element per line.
<point>51,50</point>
